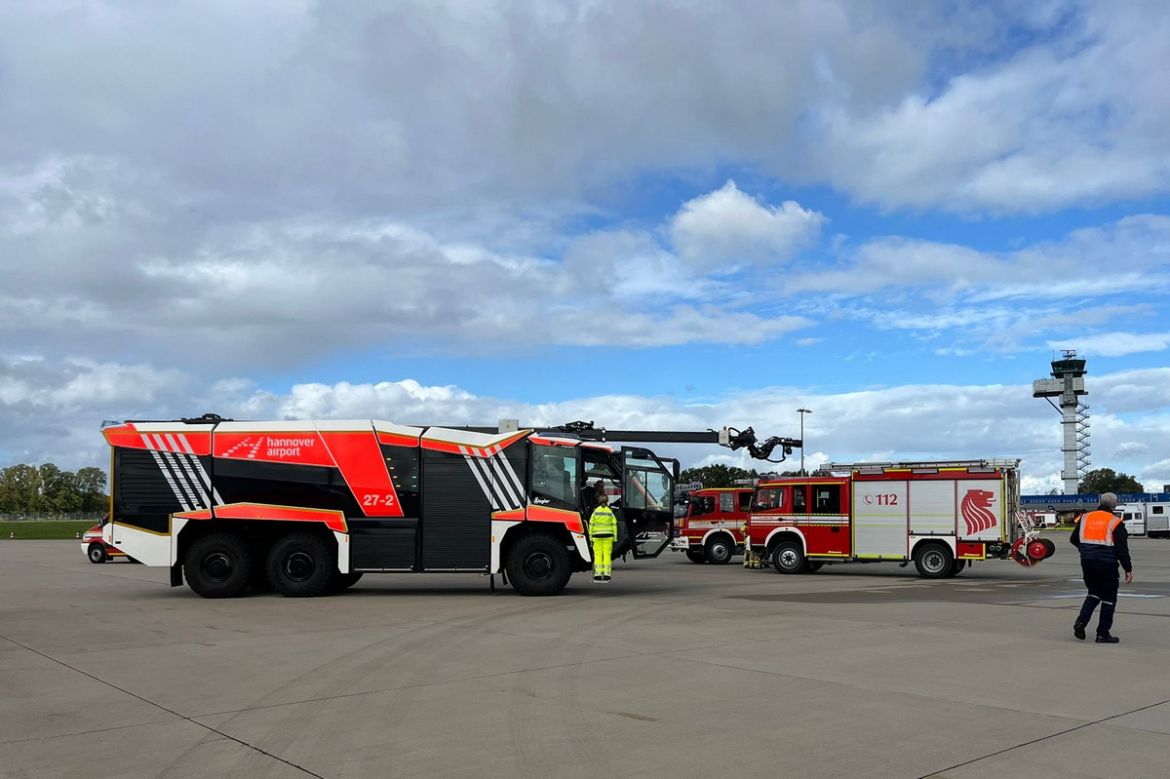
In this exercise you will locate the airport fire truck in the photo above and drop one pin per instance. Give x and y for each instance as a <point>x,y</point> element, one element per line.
<point>310,506</point>
<point>712,530</point>
<point>940,515</point>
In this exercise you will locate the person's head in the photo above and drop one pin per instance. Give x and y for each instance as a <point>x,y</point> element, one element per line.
<point>602,498</point>
<point>1108,501</point>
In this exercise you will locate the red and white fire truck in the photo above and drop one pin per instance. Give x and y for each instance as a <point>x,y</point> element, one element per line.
<point>712,530</point>
<point>940,515</point>
<point>310,506</point>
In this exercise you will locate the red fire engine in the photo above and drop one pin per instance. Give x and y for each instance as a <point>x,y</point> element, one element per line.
<point>308,506</point>
<point>940,515</point>
<point>712,531</point>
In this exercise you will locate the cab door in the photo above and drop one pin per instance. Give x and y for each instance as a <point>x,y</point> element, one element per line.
<point>647,512</point>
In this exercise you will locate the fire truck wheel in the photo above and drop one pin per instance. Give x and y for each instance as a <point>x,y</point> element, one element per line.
<point>720,550</point>
<point>696,555</point>
<point>815,565</point>
<point>933,561</point>
<point>538,565</point>
<point>300,565</point>
<point>788,557</point>
<point>957,567</point>
<point>217,566</point>
<point>97,554</point>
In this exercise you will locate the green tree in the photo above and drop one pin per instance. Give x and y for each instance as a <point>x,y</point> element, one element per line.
<point>716,475</point>
<point>59,490</point>
<point>1106,480</point>
<point>91,483</point>
<point>20,489</point>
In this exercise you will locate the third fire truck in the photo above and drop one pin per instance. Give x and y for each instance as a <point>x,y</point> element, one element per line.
<point>942,516</point>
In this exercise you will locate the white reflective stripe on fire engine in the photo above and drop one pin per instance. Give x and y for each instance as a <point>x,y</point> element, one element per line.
<point>512,472</point>
<point>166,474</point>
<point>487,493</point>
<point>513,497</point>
<point>178,463</point>
<point>185,460</point>
<point>199,467</point>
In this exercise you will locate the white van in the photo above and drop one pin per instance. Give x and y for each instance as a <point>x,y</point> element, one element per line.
<point>1134,517</point>
<point>1157,516</point>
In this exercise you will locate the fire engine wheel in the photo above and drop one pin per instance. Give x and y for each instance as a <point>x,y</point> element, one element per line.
<point>538,565</point>
<point>933,561</point>
<point>300,565</point>
<point>97,554</point>
<point>217,566</point>
<point>697,555</point>
<point>788,557</point>
<point>720,550</point>
<point>815,565</point>
<point>957,568</point>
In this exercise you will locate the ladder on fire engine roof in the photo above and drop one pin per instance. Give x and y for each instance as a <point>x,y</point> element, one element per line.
<point>923,466</point>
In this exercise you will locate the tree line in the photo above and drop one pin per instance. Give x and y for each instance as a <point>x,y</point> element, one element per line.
<point>31,489</point>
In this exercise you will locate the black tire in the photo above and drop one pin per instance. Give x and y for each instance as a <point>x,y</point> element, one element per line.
<point>343,581</point>
<point>97,554</point>
<point>933,561</point>
<point>719,550</point>
<point>538,565</point>
<point>957,568</point>
<point>697,555</point>
<point>300,565</point>
<point>788,557</point>
<point>815,565</point>
<point>218,566</point>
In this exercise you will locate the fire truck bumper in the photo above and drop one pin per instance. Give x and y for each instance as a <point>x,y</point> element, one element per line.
<point>680,544</point>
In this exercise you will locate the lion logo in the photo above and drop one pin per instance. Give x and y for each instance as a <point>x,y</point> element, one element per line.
<point>977,512</point>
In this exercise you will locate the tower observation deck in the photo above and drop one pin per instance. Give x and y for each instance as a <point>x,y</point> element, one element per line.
<point>1068,384</point>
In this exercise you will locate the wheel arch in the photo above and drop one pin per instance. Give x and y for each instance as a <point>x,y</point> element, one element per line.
<point>784,534</point>
<point>260,535</point>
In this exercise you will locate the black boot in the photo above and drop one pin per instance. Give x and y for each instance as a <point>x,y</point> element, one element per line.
<point>1108,639</point>
<point>1079,630</point>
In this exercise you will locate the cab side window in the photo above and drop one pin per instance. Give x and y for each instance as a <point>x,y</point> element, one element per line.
<point>702,506</point>
<point>769,499</point>
<point>554,473</point>
<point>799,504</point>
<point>726,502</point>
<point>826,499</point>
<point>745,501</point>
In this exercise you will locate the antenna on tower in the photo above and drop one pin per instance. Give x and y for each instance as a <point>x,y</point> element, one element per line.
<point>1068,384</point>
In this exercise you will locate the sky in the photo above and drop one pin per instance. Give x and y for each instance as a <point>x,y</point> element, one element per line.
<point>652,215</point>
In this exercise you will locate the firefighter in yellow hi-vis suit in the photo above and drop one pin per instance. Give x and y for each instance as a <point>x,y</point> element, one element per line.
<point>602,532</point>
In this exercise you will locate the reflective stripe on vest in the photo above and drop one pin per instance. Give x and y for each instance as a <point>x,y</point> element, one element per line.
<point>1097,528</point>
<point>603,523</point>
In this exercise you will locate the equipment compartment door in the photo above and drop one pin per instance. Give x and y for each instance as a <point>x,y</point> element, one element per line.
<point>880,519</point>
<point>647,510</point>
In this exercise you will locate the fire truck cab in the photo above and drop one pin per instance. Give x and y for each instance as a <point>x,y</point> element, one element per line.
<point>712,530</point>
<point>940,515</point>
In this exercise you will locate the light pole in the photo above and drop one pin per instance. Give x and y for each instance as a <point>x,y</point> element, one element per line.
<point>802,412</point>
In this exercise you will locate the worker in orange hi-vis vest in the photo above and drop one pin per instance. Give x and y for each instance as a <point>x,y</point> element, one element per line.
<point>602,532</point>
<point>1104,543</point>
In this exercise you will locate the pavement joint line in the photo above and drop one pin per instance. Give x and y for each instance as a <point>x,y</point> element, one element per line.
<point>159,706</point>
<point>1004,751</point>
<point>77,733</point>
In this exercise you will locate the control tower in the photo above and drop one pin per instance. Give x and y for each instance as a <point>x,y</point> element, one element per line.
<point>1068,384</point>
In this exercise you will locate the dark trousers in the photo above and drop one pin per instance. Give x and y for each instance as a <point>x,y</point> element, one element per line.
<point>1102,581</point>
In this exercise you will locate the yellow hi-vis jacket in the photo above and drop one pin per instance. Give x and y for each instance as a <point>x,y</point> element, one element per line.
<point>603,523</point>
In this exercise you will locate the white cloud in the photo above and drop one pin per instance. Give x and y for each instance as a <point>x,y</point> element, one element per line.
<point>727,227</point>
<point>1115,344</point>
<point>50,418</point>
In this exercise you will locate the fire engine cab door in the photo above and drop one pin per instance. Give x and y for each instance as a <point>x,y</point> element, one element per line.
<point>647,508</point>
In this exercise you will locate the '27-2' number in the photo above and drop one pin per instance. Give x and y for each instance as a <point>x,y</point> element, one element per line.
<point>376,499</point>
